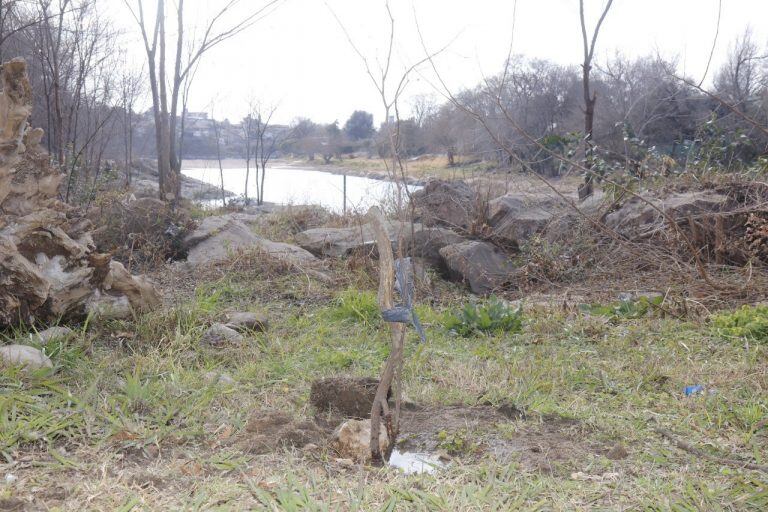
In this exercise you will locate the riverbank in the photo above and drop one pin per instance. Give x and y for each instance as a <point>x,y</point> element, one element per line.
<point>144,181</point>
<point>418,169</point>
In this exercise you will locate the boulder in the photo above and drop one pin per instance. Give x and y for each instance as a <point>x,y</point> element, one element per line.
<point>518,216</point>
<point>248,321</point>
<point>340,242</point>
<point>352,397</point>
<point>287,253</point>
<point>637,217</point>
<point>479,264</point>
<point>427,243</point>
<point>420,241</point>
<point>219,335</point>
<point>217,238</point>
<point>446,203</point>
<point>24,355</point>
<point>351,440</point>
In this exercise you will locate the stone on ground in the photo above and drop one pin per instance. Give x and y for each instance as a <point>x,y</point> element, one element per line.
<point>49,334</point>
<point>341,242</point>
<point>637,217</point>
<point>247,321</point>
<point>518,216</point>
<point>352,440</point>
<point>478,264</point>
<point>24,355</point>
<point>49,268</point>
<point>218,238</point>
<point>219,335</point>
<point>446,203</point>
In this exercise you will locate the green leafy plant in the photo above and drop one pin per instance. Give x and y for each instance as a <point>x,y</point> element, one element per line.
<point>455,443</point>
<point>750,322</point>
<point>624,309</point>
<point>493,315</point>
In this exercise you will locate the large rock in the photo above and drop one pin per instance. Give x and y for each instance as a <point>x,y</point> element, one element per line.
<point>23,355</point>
<point>352,440</point>
<point>518,216</point>
<point>340,242</point>
<point>478,264</point>
<point>446,203</point>
<point>419,241</point>
<point>636,217</point>
<point>218,238</point>
<point>49,267</point>
<point>427,242</point>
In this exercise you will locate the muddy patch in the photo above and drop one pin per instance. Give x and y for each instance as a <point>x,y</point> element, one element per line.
<point>431,436</point>
<point>550,444</point>
<point>269,431</point>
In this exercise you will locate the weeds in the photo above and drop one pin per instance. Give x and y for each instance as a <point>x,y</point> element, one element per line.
<point>624,309</point>
<point>491,316</point>
<point>747,322</point>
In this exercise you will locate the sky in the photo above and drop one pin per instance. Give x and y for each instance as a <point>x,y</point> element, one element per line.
<point>300,59</point>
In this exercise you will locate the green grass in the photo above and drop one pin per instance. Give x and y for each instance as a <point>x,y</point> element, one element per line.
<point>129,403</point>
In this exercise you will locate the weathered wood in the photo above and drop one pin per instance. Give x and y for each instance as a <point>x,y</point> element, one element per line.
<point>392,369</point>
<point>48,264</point>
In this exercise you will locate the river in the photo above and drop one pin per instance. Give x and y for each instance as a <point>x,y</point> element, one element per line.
<point>297,185</point>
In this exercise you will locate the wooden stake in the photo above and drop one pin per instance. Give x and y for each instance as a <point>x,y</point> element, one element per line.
<point>393,367</point>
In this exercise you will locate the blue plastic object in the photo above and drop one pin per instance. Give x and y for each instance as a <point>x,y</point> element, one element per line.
<point>692,390</point>
<point>404,313</point>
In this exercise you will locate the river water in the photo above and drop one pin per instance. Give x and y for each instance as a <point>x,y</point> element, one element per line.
<point>296,185</point>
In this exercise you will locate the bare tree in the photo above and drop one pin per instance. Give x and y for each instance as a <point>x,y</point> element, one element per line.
<point>590,98</point>
<point>217,135</point>
<point>743,73</point>
<point>131,88</point>
<point>16,16</point>
<point>249,134</point>
<point>166,109</point>
<point>390,92</point>
<point>268,142</point>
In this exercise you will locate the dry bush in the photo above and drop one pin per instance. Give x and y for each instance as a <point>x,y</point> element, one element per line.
<point>142,233</point>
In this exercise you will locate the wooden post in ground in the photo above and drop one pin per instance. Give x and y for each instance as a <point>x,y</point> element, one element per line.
<point>392,373</point>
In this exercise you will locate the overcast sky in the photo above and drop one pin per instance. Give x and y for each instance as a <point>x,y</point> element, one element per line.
<point>299,57</point>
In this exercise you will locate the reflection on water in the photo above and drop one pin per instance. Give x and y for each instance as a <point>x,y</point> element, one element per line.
<point>414,462</point>
<point>291,185</point>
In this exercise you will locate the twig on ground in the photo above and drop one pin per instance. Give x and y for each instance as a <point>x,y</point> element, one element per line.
<point>683,445</point>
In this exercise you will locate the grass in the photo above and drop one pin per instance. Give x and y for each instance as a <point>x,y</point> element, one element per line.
<point>129,421</point>
<point>421,168</point>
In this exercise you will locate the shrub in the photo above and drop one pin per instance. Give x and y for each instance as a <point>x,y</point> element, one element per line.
<point>750,322</point>
<point>493,315</point>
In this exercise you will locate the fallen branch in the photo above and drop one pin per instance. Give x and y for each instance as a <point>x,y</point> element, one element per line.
<point>704,455</point>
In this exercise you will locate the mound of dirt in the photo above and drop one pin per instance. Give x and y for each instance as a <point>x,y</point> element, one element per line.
<point>269,431</point>
<point>350,397</point>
